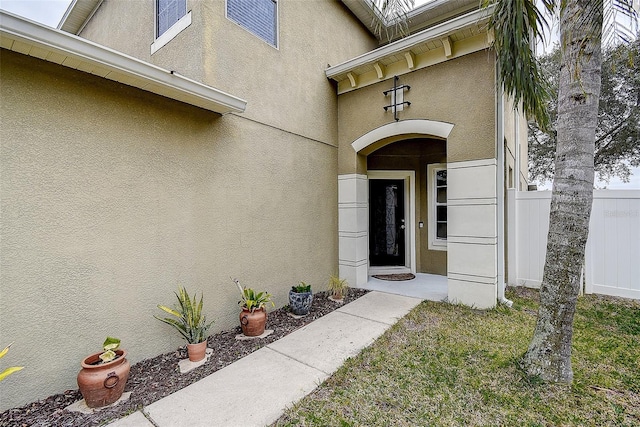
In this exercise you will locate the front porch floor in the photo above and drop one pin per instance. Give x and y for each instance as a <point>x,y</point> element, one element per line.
<point>425,286</point>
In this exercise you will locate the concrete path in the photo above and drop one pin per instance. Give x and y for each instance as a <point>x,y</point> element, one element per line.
<point>255,390</point>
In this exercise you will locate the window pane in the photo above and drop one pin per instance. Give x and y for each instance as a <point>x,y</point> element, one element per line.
<point>442,195</point>
<point>441,214</point>
<point>257,16</point>
<point>441,178</point>
<point>441,232</point>
<point>169,12</point>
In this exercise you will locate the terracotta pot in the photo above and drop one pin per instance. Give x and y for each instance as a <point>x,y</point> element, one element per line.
<point>103,384</point>
<point>300,302</point>
<point>197,351</point>
<point>253,323</point>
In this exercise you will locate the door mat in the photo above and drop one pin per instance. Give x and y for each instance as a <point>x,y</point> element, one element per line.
<point>395,277</point>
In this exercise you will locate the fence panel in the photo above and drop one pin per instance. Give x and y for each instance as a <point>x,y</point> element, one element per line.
<point>613,248</point>
<point>612,258</point>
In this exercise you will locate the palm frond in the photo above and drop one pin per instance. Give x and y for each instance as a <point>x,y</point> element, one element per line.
<point>516,25</point>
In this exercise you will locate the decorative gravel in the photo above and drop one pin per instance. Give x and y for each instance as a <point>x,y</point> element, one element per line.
<point>152,379</point>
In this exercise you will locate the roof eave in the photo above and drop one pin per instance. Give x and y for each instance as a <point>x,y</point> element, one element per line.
<point>405,44</point>
<point>53,45</point>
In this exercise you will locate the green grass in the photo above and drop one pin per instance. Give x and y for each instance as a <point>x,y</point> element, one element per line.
<point>447,365</point>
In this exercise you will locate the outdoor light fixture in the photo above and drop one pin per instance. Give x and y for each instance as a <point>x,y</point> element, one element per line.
<point>397,98</point>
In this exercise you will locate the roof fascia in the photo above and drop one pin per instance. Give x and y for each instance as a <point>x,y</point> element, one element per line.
<point>402,45</point>
<point>146,76</point>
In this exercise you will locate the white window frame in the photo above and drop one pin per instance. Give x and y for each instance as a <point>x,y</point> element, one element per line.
<point>171,32</point>
<point>435,243</point>
<point>276,46</point>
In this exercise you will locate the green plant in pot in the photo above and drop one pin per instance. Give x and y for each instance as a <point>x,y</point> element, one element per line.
<point>189,321</point>
<point>337,288</point>
<point>253,317</point>
<point>300,299</point>
<point>104,374</point>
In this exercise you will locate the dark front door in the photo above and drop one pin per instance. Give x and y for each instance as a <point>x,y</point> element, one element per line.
<point>386,222</point>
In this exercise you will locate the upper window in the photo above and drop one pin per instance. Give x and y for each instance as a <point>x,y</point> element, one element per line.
<point>168,13</point>
<point>257,16</point>
<point>171,19</point>
<point>437,188</point>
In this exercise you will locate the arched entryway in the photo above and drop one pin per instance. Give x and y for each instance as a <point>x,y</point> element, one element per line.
<point>384,214</point>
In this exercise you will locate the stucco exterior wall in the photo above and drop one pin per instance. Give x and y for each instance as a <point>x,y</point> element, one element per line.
<point>111,197</point>
<point>515,132</point>
<point>285,86</point>
<point>460,91</point>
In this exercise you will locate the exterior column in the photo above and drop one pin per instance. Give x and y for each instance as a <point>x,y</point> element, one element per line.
<point>472,238</point>
<point>353,226</point>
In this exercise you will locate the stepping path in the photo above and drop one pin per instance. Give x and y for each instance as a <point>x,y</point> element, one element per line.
<point>273,378</point>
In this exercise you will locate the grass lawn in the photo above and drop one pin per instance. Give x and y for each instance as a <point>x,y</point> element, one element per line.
<point>447,365</point>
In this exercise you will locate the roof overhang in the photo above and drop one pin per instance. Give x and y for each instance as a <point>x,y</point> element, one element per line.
<point>417,19</point>
<point>53,45</point>
<point>450,39</point>
<point>77,15</point>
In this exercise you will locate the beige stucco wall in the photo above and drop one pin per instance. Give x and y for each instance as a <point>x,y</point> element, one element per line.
<point>285,86</point>
<point>460,91</point>
<point>111,197</point>
<point>512,119</point>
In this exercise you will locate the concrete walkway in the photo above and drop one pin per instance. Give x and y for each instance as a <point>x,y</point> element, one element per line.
<point>255,390</point>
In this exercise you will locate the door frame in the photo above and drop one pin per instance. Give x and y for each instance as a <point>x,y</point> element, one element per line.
<point>409,178</point>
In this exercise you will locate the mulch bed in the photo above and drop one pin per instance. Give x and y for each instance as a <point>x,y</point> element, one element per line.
<point>152,379</point>
<point>395,277</point>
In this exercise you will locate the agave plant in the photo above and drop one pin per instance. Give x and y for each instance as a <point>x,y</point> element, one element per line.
<point>189,320</point>
<point>252,300</point>
<point>4,374</point>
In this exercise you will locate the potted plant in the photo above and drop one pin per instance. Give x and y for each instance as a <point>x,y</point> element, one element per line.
<point>189,322</point>
<point>337,288</point>
<point>104,375</point>
<point>300,299</point>
<point>253,316</point>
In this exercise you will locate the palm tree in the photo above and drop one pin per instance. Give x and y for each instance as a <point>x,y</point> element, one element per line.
<point>516,25</point>
<point>581,25</point>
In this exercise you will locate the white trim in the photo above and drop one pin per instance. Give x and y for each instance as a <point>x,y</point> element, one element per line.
<point>53,45</point>
<point>403,127</point>
<point>409,207</point>
<point>171,32</point>
<point>436,32</point>
<point>434,244</point>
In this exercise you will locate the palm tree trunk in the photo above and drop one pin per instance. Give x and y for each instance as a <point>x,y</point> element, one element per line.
<point>549,353</point>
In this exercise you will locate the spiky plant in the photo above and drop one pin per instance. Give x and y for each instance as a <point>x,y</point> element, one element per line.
<point>189,320</point>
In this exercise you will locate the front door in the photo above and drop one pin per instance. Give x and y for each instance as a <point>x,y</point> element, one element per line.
<point>386,222</point>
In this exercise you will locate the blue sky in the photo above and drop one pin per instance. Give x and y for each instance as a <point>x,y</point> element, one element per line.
<point>49,12</point>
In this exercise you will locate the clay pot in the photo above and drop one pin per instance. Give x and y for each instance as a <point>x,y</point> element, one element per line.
<point>197,351</point>
<point>253,323</point>
<point>103,384</point>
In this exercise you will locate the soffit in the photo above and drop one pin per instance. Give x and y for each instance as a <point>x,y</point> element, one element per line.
<point>77,15</point>
<point>53,45</point>
<point>421,17</point>
<point>457,36</point>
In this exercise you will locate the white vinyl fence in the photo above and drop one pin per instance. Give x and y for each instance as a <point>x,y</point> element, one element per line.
<point>612,259</point>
